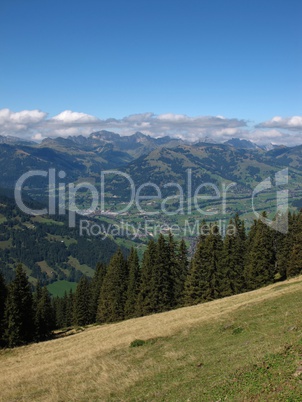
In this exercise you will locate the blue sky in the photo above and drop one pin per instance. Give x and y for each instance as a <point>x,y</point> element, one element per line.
<point>237,59</point>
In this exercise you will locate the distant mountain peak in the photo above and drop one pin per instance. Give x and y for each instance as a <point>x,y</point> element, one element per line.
<point>241,143</point>
<point>207,140</point>
<point>103,134</point>
<point>8,139</point>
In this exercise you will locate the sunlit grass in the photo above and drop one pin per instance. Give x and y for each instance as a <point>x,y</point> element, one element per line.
<point>242,348</point>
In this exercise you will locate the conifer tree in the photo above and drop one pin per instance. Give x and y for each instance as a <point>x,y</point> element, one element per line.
<point>233,259</point>
<point>58,311</point>
<point>144,301</point>
<point>133,284</point>
<point>291,258</point>
<point>82,302</point>
<point>113,292</point>
<point>261,257</point>
<point>60,303</point>
<point>44,319</point>
<point>3,294</point>
<point>96,285</point>
<point>19,320</point>
<point>211,266</point>
<point>191,293</point>
<point>69,309</point>
<point>36,299</point>
<point>180,273</point>
<point>284,244</point>
<point>192,287</point>
<point>203,281</point>
<point>162,279</point>
<point>295,262</point>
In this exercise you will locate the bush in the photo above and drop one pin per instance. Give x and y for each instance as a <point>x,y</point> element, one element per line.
<point>136,343</point>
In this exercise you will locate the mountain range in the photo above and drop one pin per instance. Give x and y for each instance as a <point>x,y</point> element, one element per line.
<point>145,158</point>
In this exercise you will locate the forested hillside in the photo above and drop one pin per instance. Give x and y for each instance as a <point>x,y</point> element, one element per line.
<point>48,249</point>
<point>164,280</point>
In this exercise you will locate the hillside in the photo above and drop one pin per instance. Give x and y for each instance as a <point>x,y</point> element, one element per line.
<point>245,347</point>
<point>49,250</point>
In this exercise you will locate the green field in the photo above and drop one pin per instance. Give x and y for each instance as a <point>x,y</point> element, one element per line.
<point>60,287</point>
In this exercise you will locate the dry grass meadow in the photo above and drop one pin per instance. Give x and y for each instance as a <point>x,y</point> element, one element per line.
<point>213,351</point>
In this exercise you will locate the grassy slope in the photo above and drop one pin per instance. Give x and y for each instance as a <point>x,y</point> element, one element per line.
<point>60,287</point>
<point>243,348</point>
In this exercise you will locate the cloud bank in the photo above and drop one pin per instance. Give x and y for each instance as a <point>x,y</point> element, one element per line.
<point>37,125</point>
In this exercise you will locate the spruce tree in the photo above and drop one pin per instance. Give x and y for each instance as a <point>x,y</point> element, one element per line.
<point>133,284</point>
<point>3,294</point>
<point>291,258</point>
<point>60,311</point>
<point>204,277</point>
<point>192,286</point>
<point>70,309</point>
<point>82,302</point>
<point>192,293</point>
<point>284,246</point>
<point>233,259</point>
<point>19,320</point>
<point>211,266</point>
<point>44,318</point>
<point>162,278</point>
<point>144,304</point>
<point>36,299</point>
<point>180,272</point>
<point>113,291</point>
<point>295,261</point>
<point>260,262</point>
<point>96,285</point>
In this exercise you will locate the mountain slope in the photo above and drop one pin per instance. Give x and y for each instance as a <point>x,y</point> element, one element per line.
<point>209,163</point>
<point>47,247</point>
<point>131,146</point>
<point>245,347</point>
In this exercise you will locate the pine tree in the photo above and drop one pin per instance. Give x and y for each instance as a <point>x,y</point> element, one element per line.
<point>233,259</point>
<point>144,301</point>
<point>57,308</point>
<point>192,287</point>
<point>19,311</point>
<point>211,266</point>
<point>161,279</point>
<point>113,292</point>
<point>133,284</point>
<point>180,271</point>
<point>59,304</point>
<point>96,285</point>
<point>69,309</point>
<point>192,294</point>
<point>284,246</point>
<point>36,300</point>
<point>295,261</point>
<point>260,257</point>
<point>82,302</point>
<point>291,258</point>
<point>204,277</point>
<point>44,318</point>
<point>3,294</point>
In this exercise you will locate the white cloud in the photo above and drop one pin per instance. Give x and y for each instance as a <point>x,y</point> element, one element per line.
<point>19,123</point>
<point>70,117</point>
<point>36,125</point>
<point>290,123</point>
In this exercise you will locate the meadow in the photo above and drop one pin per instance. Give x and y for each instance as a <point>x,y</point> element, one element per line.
<point>246,347</point>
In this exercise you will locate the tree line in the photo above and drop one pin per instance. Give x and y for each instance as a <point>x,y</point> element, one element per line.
<point>165,279</point>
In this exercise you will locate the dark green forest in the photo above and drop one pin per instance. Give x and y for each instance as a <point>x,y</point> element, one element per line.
<point>31,240</point>
<point>165,279</point>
